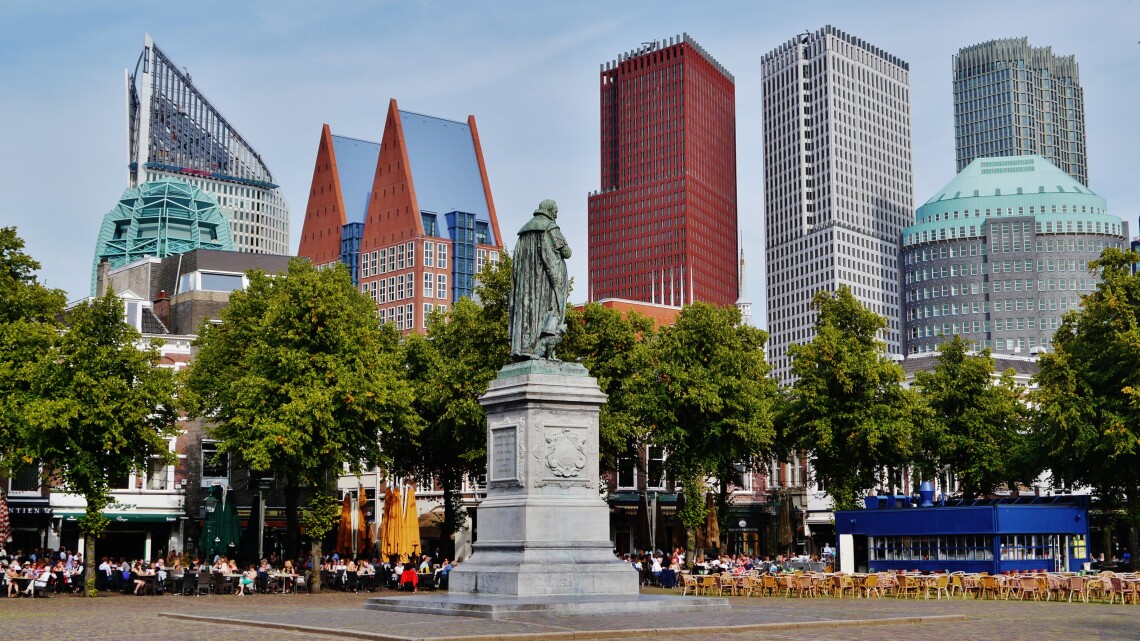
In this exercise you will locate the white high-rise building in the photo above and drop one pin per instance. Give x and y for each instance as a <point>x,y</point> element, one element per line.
<point>173,131</point>
<point>838,181</point>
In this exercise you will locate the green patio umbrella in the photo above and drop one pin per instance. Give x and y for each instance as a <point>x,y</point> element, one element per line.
<point>221,527</point>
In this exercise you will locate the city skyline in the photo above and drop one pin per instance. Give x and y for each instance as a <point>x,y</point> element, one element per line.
<point>527,73</point>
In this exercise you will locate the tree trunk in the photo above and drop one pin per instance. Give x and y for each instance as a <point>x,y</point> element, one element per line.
<point>315,557</point>
<point>451,523</point>
<point>1133,526</point>
<point>89,567</point>
<point>292,520</point>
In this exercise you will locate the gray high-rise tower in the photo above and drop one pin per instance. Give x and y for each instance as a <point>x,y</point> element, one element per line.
<point>838,181</point>
<point>1011,99</point>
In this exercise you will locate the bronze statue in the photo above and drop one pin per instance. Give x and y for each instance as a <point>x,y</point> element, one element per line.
<point>539,287</point>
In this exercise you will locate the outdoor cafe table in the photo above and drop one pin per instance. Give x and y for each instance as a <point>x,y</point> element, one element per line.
<point>283,579</point>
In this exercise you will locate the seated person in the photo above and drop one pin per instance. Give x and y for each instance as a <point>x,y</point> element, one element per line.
<point>247,579</point>
<point>12,574</point>
<point>139,573</point>
<point>425,565</point>
<point>409,577</point>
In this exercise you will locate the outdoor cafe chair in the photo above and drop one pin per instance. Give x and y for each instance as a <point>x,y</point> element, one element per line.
<point>804,584</point>
<point>202,583</point>
<point>871,586</point>
<point>1118,587</point>
<point>708,583</point>
<point>1095,586</point>
<point>222,584</point>
<point>1028,586</point>
<point>907,586</point>
<point>988,585</point>
<point>1076,585</point>
<point>844,584</point>
<point>301,583</point>
<point>689,582</point>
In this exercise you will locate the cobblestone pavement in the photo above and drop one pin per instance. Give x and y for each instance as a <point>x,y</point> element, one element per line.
<point>335,615</point>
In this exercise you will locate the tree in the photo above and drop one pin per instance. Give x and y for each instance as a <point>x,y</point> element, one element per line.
<point>301,379</point>
<point>976,424</point>
<point>450,368</point>
<point>609,344</point>
<point>847,408</point>
<point>705,395</point>
<point>1086,427</point>
<point>29,314</point>
<point>101,409</point>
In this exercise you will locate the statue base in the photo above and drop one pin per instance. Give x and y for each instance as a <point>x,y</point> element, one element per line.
<point>543,529</point>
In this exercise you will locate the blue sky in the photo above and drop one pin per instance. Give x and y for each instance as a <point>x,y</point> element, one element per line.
<point>528,71</point>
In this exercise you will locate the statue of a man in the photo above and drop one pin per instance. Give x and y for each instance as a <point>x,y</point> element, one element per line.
<point>539,286</point>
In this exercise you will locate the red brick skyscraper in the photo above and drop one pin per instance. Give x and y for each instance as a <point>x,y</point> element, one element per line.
<point>663,226</point>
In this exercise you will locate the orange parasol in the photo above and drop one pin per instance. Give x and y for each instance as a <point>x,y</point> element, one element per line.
<point>344,532</point>
<point>392,524</point>
<point>411,537</point>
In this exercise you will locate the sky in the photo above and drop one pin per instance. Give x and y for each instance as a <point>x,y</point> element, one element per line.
<point>528,71</point>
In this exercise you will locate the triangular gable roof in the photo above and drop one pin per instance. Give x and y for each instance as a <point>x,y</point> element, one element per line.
<point>356,168</point>
<point>444,166</point>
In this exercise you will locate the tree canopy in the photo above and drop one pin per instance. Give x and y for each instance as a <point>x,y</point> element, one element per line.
<point>450,368</point>
<point>29,314</point>
<point>847,407</point>
<point>302,379</point>
<point>101,408</point>
<point>976,424</point>
<point>1087,422</point>
<point>704,394</point>
<point>610,345</point>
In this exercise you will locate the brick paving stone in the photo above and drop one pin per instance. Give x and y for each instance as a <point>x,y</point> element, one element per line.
<point>128,618</point>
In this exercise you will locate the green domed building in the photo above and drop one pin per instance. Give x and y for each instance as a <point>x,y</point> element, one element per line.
<point>159,219</point>
<point>1000,253</point>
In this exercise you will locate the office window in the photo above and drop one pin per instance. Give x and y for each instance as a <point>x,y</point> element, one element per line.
<point>627,472</point>
<point>441,286</point>
<point>441,256</point>
<point>410,287</point>
<point>429,286</point>
<point>427,312</point>
<point>400,256</point>
<point>383,261</point>
<point>400,287</point>
<point>411,254</point>
<point>214,464</point>
<point>429,254</point>
<point>400,317</point>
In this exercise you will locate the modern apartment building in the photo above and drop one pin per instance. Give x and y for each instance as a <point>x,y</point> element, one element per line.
<point>662,227</point>
<point>838,181</point>
<point>411,215</point>
<point>1000,253</point>
<point>173,131</point>
<point>1011,99</point>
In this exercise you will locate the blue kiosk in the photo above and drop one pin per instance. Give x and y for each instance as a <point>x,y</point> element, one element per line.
<point>986,535</point>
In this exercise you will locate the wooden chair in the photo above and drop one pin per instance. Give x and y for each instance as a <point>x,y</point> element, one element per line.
<point>708,583</point>
<point>749,585</point>
<point>689,583</point>
<point>940,585</point>
<point>1095,586</point>
<point>822,584</point>
<point>988,585</point>
<point>725,582</point>
<point>908,586</point>
<point>1076,585</point>
<point>871,586</point>
<point>1028,586</point>
<point>803,584</point>
<point>845,584</point>
<point>769,586</point>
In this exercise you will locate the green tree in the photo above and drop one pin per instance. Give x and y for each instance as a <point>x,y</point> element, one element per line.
<point>705,395</point>
<point>609,344</point>
<point>976,423</point>
<point>847,408</point>
<point>1086,427</point>
<point>101,409</point>
<point>301,379</point>
<point>29,315</point>
<point>450,368</point>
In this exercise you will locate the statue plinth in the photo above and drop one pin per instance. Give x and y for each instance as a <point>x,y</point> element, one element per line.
<point>543,528</point>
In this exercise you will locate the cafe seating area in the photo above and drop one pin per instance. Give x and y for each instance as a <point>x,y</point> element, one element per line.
<point>1104,587</point>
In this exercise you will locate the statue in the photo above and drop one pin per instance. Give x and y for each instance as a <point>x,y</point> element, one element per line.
<point>539,287</point>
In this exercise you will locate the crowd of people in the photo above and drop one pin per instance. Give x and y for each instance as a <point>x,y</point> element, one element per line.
<point>47,572</point>
<point>650,565</point>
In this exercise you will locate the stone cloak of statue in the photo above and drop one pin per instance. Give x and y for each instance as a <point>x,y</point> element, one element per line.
<point>539,287</point>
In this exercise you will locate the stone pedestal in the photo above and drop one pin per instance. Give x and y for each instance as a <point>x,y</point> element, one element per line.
<point>543,528</point>
<point>543,543</point>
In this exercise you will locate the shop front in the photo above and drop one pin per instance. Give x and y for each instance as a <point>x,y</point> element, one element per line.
<point>993,535</point>
<point>32,525</point>
<point>130,535</point>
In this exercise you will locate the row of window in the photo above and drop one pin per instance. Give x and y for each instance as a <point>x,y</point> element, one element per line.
<point>983,307</point>
<point>999,286</point>
<point>933,330</point>
<point>400,287</point>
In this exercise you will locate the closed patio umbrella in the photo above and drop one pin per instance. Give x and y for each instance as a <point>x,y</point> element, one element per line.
<point>712,526</point>
<point>230,526</point>
<point>642,526</point>
<point>5,522</point>
<point>363,541</point>
<point>210,544</point>
<point>392,525</point>
<point>344,532</point>
<point>411,537</point>
<point>252,530</point>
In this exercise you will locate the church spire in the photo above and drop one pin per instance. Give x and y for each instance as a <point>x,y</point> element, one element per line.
<point>742,302</point>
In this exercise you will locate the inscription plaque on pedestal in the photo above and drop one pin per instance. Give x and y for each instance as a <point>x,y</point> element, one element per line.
<point>504,453</point>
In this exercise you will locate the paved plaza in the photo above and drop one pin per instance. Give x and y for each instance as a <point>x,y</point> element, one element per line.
<point>339,615</point>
